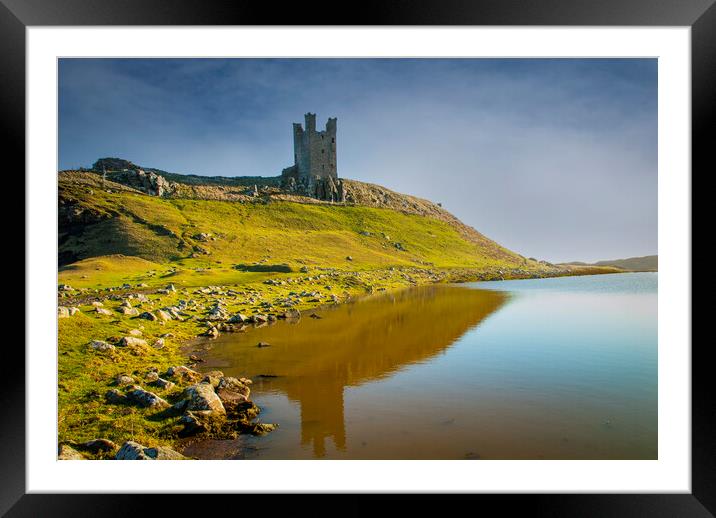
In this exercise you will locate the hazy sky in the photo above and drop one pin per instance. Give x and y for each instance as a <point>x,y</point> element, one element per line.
<point>553,158</point>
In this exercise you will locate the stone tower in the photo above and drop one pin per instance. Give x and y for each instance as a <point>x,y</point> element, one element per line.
<point>315,170</point>
<point>314,152</point>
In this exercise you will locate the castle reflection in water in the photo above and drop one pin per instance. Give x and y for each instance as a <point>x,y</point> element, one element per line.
<point>314,360</point>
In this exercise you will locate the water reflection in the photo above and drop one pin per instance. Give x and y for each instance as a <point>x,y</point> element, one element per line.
<point>313,361</point>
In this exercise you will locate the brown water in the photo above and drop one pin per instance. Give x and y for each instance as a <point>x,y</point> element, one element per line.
<point>448,372</point>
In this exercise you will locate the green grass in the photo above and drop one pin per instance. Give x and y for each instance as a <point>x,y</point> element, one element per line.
<point>164,230</point>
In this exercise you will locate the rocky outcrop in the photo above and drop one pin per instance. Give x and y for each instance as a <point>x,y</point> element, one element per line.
<point>327,188</point>
<point>127,173</point>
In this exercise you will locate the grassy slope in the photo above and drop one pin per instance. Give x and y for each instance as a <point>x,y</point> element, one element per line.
<point>647,263</point>
<point>164,230</point>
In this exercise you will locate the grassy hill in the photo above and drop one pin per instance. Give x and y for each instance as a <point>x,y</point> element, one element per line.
<point>647,263</point>
<point>196,234</point>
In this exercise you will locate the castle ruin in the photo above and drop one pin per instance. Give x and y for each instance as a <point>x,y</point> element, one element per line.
<point>314,171</point>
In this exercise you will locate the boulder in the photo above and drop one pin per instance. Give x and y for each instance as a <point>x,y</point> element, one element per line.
<point>123,379</point>
<point>163,384</point>
<point>180,372</point>
<point>292,313</point>
<point>232,390</point>
<point>146,399</point>
<point>212,332</point>
<point>103,311</point>
<point>131,341</point>
<point>131,312</point>
<point>148,315</point>
<point>135,332</point>
<point>163,453</point>
<point>163,315</point>
<point>202,397</point>
<point>194,423</point>
<point>68,453</point>
<point>213,378</point>
<point>238,318</point>
<point>101,346</point>
<point>131,450</point>
<point>98,445</point>
<point>115,397</point>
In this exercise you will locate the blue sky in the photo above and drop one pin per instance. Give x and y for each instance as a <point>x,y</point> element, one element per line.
<point>553,158</point>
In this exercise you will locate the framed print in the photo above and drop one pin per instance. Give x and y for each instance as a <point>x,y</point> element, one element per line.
<point>350,256</point>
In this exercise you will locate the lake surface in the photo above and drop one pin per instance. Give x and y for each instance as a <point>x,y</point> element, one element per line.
<point>561,368</point>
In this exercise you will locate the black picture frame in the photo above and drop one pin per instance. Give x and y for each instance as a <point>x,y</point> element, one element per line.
<point>700,15</point>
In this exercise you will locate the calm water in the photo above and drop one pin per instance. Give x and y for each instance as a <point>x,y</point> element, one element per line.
<point>534,369</point>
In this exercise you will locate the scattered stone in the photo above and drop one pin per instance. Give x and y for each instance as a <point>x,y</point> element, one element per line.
<point>123,379</point>
<point>132,312</point>
<point>97,304</point>
<point>115,397</point>
<point>159,344</point>
<point>131,450</point>
<point>313,315</point>
<point>98,445</point>
<point>260,428</point>
<point>163,453</point>
<point>263,344</point>
<point>180,372</point>
<point>212,332</point>
<point>131,341</point>
<point>163,315</point>
<point>66,312</point>
<point>232,390</point>
<point>135,332</point>
<point>238,318</point>
<point>147,315</point>
<point>195,358</point>
<point>101,346</point>
<point>203,398</point>
<point>68,453</point>
<point>103,311</point>
<point>146,399</point>
<point>163,384</point>
<point>65,287</point>
<point>349,258</point>
<point>213,378</point>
